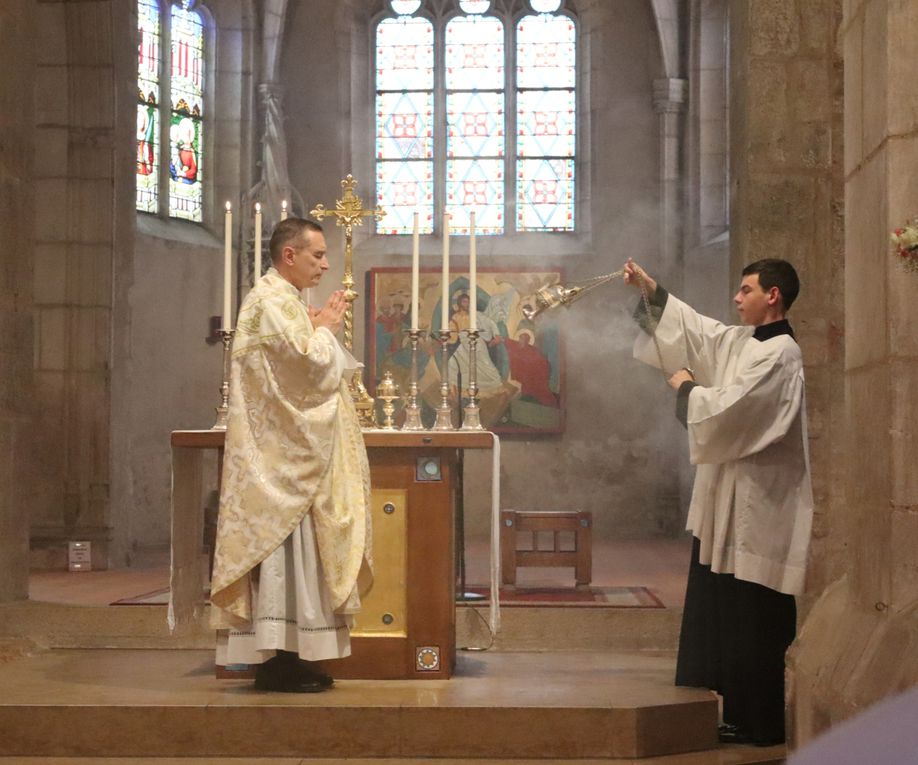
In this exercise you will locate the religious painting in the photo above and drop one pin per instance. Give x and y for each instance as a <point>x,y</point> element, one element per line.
<point>518,361</point>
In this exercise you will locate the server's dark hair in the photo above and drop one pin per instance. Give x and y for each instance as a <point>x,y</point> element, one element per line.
<point>774,272</point>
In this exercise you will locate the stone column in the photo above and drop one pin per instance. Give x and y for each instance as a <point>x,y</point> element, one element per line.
<point>786,201</point>
<point>17,62</point>
<point>669,104</point>
<point>74,235</point>
<point>860,642</point>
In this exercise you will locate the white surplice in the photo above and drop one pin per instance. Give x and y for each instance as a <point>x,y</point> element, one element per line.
<point>752,502</point>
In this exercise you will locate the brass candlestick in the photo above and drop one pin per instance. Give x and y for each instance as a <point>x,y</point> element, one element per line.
<point>387,390</point>
<point>412,410</point>
<point>223,409</point>
<point>471,417</point>
<point>444,412</point>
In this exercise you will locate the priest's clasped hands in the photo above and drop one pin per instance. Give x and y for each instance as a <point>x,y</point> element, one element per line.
<point>331,315</point>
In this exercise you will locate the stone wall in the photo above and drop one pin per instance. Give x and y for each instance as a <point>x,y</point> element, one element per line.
<point>121,301</point>
<point>860,641</point>
<point>17,203</point>
<point>786,201</point>
<point>74,239</point>
<point>620,436</point>
<point>166,371</point>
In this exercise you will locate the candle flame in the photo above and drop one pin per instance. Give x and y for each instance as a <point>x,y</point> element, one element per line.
<point>228,206</point>
<point>258,207</point>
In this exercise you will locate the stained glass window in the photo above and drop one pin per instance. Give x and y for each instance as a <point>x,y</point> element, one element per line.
<point>148,112</point>
<point>185,128</point>
<point>546,71</point>
<point>404,121</point>
<point>475,132</point>
<point>444,136</point>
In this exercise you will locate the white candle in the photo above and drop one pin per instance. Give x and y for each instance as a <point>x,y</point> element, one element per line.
<point>284,210</point>
<point>415,273</point>
<point>444,307</point>
<point>257,274</point>
<point>473,275</point>
<point>227,267</point>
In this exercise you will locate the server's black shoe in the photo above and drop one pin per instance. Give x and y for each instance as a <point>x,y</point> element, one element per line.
<point>731,734</point>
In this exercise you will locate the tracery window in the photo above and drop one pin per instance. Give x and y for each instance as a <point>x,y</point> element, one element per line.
<point>179,81</point>
<point>476,110</point>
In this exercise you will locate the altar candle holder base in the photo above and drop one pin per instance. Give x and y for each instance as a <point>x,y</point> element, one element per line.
<point>471,413</point>
<point>412,410</point>
<point>444,411</point>
<point>363,401</point>
<point>223,410</point>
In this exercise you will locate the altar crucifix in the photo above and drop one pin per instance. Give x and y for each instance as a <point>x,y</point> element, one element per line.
<point>349,212</point>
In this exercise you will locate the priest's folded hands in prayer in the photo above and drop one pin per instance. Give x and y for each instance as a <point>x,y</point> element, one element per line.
<point>331,315</point>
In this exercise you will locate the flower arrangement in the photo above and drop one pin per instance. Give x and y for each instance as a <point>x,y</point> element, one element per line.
<point>905,242</point>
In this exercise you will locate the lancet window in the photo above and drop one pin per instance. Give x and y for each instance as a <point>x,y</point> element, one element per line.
<point>179,81</point>
<point>476,110</point>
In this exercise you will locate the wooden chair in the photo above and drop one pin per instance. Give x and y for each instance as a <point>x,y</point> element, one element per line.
<point>514,522</point>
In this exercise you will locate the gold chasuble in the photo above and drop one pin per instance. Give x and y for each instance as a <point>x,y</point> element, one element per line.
<point>293,446</point>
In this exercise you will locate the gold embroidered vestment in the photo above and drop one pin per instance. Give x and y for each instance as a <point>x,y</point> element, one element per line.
<point>293,446</point>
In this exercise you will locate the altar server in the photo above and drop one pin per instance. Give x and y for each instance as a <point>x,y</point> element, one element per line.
<point>740,394</point>
<point>293,534</point>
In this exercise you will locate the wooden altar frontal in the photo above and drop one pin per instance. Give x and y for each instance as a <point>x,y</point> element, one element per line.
<point>406,626</point>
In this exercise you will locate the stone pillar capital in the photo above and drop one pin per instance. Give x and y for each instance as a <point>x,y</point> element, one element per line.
<point>669,95</point>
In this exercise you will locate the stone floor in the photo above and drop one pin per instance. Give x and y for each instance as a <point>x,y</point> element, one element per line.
<point>611,707</point>
<point>658,564</point>
<point>533,696</point>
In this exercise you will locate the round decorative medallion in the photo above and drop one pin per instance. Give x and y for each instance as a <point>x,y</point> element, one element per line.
<point>428,658</point>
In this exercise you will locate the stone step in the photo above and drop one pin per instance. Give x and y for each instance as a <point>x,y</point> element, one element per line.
<point>723,756</point>
<point>504,705</point>
<point>533,628</point>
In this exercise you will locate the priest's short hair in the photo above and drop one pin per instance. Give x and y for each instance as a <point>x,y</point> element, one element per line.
<point>290,232</point>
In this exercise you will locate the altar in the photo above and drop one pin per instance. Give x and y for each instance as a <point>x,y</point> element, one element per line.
<point>406,627</point>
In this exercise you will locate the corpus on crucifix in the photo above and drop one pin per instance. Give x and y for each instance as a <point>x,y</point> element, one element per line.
<point>349,212</point>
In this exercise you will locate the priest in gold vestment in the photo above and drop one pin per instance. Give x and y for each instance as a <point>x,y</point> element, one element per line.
<point>293,550</point>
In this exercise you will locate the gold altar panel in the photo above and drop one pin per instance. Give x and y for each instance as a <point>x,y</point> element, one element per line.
<point>384,611</point>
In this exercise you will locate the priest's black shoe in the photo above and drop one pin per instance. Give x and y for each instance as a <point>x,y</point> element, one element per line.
<point>279,676</point>
<point>310,673</point>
